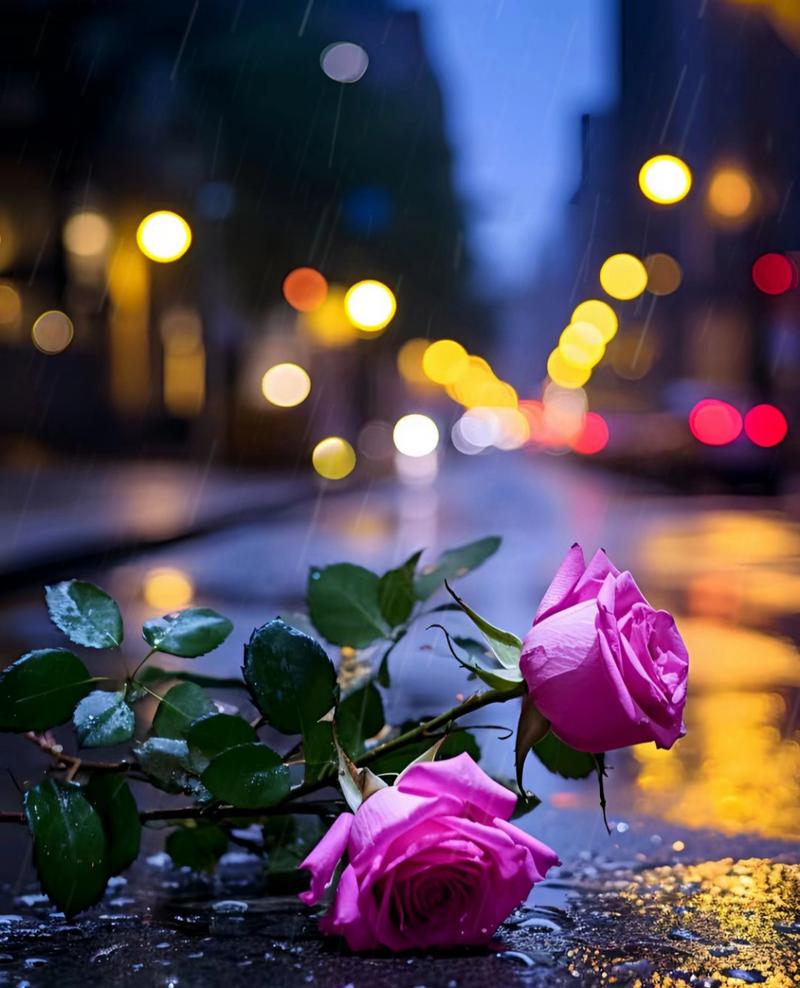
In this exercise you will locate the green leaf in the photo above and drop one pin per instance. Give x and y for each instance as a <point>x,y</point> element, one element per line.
<point>85,613</point>
<point>559,758</point>
<point>343,604</point>
<point>188,633</point>
<point>69,845</point>
<point>396,592</point>
<point>198,847</point>
<point>453,564</point>
<point>291,679</point>
<point>167,762</point>
<point>249,776</point>
<point>179,707</point>
<point>505,645</point>
<point>288,841</point>
<point>112,799</point>
<point>508,680</point>
<point>319,751</point>
<point>359,716</point>
<point>40,690</point>
<point>455,743</point>
<point>215,733</point>
<point>103,718</point>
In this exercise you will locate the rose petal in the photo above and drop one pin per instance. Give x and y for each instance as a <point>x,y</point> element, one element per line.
<point>544,857</point>
<point>322,861</point>
<point>352,915</point>
<point>388,814</point>
<point>461,778</point>
<point>569,572</point>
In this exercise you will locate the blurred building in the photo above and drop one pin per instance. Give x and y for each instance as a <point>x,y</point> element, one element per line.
<point>221,112</point>
<point>709,82</point>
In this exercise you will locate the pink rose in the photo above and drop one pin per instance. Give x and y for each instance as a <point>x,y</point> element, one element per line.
<point>431,861</point>
<point>604,667</point>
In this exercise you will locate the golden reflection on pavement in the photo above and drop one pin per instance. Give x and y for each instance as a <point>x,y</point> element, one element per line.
<point>732,574</point>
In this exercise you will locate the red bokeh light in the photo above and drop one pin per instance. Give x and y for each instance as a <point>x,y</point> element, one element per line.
<point>714,422</point>
<point>593,436</point>
<point>305,289</point>
<point>765,425</point>
<point>774,274</point>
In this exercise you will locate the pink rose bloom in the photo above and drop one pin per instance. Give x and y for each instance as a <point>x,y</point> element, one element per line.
<point>604,667</point>
<point>431,861</point>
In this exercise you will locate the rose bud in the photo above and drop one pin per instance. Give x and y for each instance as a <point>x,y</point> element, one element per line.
<point>604,667</point>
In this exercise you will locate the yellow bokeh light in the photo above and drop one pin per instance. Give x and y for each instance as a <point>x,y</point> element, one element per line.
<point>415,435</point>
<point>328,324</point>
<point>623,276</point>
<point>599,314</point>
<point>665,179</point>
<point>664,274</point>
<point>730,194</point>
<point>87,234</point>
<point>333,458</point>
<point>445,361</point>
<point>370,305</point>
<point>286,385</point>
<point>409,361</point>
<point>564,374</point>
<point>581,344</point>
<point>164,236</point>
<point>10,305</point>
<point>52,332</point>
<point>167,589</point>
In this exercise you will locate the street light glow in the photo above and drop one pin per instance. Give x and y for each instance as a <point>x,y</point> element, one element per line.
<point>444,361</point>
<point>730,194</point>
<point>370,305</point>
<point>415,435</point>
<point>52,332</point>
<point>665,179</point>
<point>566,375</point>
<point>164,236</point>
<point>305,289</point>
<point>87,234</point>
<point>581,344</point>
<point>623,276</point>
<point>599,314</point>
<point>286,385</point>
<point>333,458</point>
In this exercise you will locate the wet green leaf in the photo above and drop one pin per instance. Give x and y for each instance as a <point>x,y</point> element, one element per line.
<point>40,690</point>
<point>319,751</point>
<point>559,758</point>
<point>396,592</point>
<point>179,707</point>
<point>343,604</point>
<point>188,633</point>
<point>112,799</point>
<point>103,718</point>
<point>198,847</point>
<point>249,776</point>
<point>359,716</point>
<point>167,762</point>
<point>291,679</point>
<point>85,613</point>
<point>69,845</point>
<point>504,645</point>
<point>453,564</point>
<point>215,733</point>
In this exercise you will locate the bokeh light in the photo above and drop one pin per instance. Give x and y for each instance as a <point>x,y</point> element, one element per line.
<point>52,332</point>
<point>593,436</point>
<point>444,361</point>
<point>415,435</point>
<point>564,413</point>
<point>581,344</point>
<point>375,440</point>
<point>409,362</point>
<point>664,274</point>
<point>164,236</point>
<point>344,61</point>
<point>166,589</point>
<point>623,276</point>
<point>564,374</point>
<point>370,305</point>
<point>333,458</point>
<point>305,289</point>
<point>87,234</point>
<point>774,274</point>
<point>286,385</point>
<point>665,179</point>
<point>328,325</point>
<point>714,422</point>
<point>513,428</point>
<point>10,305</point>
<point>633,353</point>
<point>599,314</point>
<point>731,195</point>
<point>765,425</point>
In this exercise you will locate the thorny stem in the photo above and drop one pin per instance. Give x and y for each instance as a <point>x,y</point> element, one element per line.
<point>288,805</point>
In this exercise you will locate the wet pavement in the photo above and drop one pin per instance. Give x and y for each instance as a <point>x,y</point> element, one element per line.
<point>699,882</point>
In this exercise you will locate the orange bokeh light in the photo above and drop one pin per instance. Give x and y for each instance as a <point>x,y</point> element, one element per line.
<point>305,289</point>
